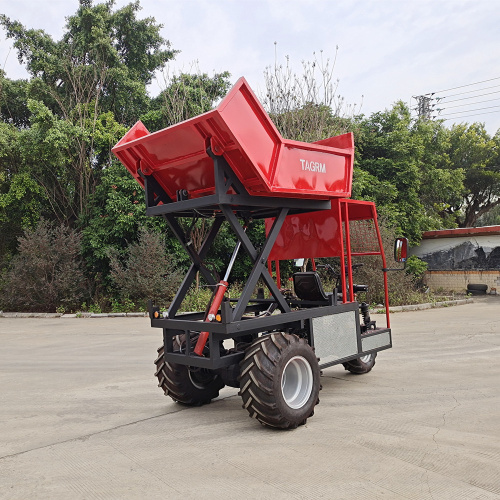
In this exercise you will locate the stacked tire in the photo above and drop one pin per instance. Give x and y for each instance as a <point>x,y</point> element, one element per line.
<point>476,289</point>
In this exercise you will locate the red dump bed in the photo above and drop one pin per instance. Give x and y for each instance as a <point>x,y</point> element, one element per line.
<point>241,131</point>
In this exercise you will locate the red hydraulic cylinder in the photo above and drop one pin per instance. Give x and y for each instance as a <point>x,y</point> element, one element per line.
<point>212,312</point>
<point>219,295</point>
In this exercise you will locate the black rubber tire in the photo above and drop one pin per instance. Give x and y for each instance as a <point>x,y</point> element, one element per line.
<point>261,378</point>
<point>191,387</point>
<point>476,287</point>
<point>359,366</point>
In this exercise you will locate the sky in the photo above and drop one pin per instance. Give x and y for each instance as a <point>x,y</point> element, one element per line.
<point>388,50</point>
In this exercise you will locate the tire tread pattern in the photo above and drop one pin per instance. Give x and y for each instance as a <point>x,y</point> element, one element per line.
<point>175,381</point>
<point>258,370</point>
<point>357,366</point>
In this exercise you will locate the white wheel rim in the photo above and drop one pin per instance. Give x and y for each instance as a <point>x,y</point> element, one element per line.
<point>297,382</point>
<point>197,383</point>
<point>366,359</point>
<point>194,382</point>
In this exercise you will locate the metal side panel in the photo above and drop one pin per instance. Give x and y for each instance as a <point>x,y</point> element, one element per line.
<point>335,336</point>
<point>379,341</point>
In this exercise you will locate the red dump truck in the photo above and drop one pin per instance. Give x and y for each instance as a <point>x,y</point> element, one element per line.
<point>232,165</point>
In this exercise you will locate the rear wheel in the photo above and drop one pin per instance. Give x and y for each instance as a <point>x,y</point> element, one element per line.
<point>280,380</point>
<point>185,384</point>
<point>361,365</point>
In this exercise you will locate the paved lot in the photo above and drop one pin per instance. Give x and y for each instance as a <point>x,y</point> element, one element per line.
<point>81,418</point>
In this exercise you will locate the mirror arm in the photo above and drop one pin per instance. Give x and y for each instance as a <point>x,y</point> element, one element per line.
<point>385,269</point>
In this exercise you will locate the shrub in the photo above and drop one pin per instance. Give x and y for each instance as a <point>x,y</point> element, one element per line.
<point>46,274</point>
<point>404,287</point>
<point>196,299</point>
<point>146,271</point>
<point>416,267</point>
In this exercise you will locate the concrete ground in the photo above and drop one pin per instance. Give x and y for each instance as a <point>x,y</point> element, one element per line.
<point>81,418</point>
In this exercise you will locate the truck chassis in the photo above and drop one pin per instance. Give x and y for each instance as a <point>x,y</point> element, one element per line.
<point>330,329</point>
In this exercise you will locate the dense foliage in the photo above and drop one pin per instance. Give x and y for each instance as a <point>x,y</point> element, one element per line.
<point>423,175</point>
<point>146,270</point>
<point>85,90</point>
<point>46,273</point>
<point>57,129</point>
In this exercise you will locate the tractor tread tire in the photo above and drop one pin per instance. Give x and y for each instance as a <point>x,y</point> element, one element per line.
<point>477,286</point>
<point>260,380</point>
<point>477,289</point>
<point>359,367</point>
<point>177,382</point>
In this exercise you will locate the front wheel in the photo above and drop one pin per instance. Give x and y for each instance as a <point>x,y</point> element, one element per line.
<point>280,380</point>
<point>361,365</point>
<point>185,384</point>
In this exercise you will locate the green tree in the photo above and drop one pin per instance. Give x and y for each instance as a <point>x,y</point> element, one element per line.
<point>22,199</point>
<point>47,272</point>
<point>145,271</point>
<point>490,218</point>
<point>389,172</point>
<point>103,61</point>
<point>13,105</point>
<point>404,166</point>
<point>83,92</point>
<point>441,186</point>
<point>477,154</point>
<point>185,96</point>
<point>116,212</point>
<point>80,88</point>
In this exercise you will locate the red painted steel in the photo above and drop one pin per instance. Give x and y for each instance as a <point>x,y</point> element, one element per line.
<point>317,234</point>
<point>212,312</point>
<point>268,165</point>
<point>240,129</point>
<point>320,234</point>
<point>345,216</point>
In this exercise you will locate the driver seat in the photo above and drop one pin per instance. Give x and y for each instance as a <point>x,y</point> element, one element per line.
<point>308,286</point>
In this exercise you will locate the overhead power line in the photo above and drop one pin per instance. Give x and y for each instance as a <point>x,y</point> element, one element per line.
<point>471,97</point>
<point>467,116</point>
<point>462,86</point>
<point>468,91</point>
<point>469,110</point>
<point>470,103</point>
<point>430,103</point>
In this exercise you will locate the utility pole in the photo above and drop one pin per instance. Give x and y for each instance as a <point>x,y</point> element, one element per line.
<point>423,106</point>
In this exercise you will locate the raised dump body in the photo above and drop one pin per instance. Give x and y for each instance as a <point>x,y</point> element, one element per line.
<point>241,131</point>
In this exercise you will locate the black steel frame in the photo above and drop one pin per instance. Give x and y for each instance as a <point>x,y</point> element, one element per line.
<point>230,202</point>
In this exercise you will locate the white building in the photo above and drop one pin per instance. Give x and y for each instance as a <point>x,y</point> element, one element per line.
<point>457,257</point>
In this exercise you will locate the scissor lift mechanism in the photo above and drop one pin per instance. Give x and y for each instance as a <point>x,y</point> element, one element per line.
<point>236,320</point>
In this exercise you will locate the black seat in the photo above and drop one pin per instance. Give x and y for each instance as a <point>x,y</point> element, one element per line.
<point>308,286</point>
<point>359,288</point>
